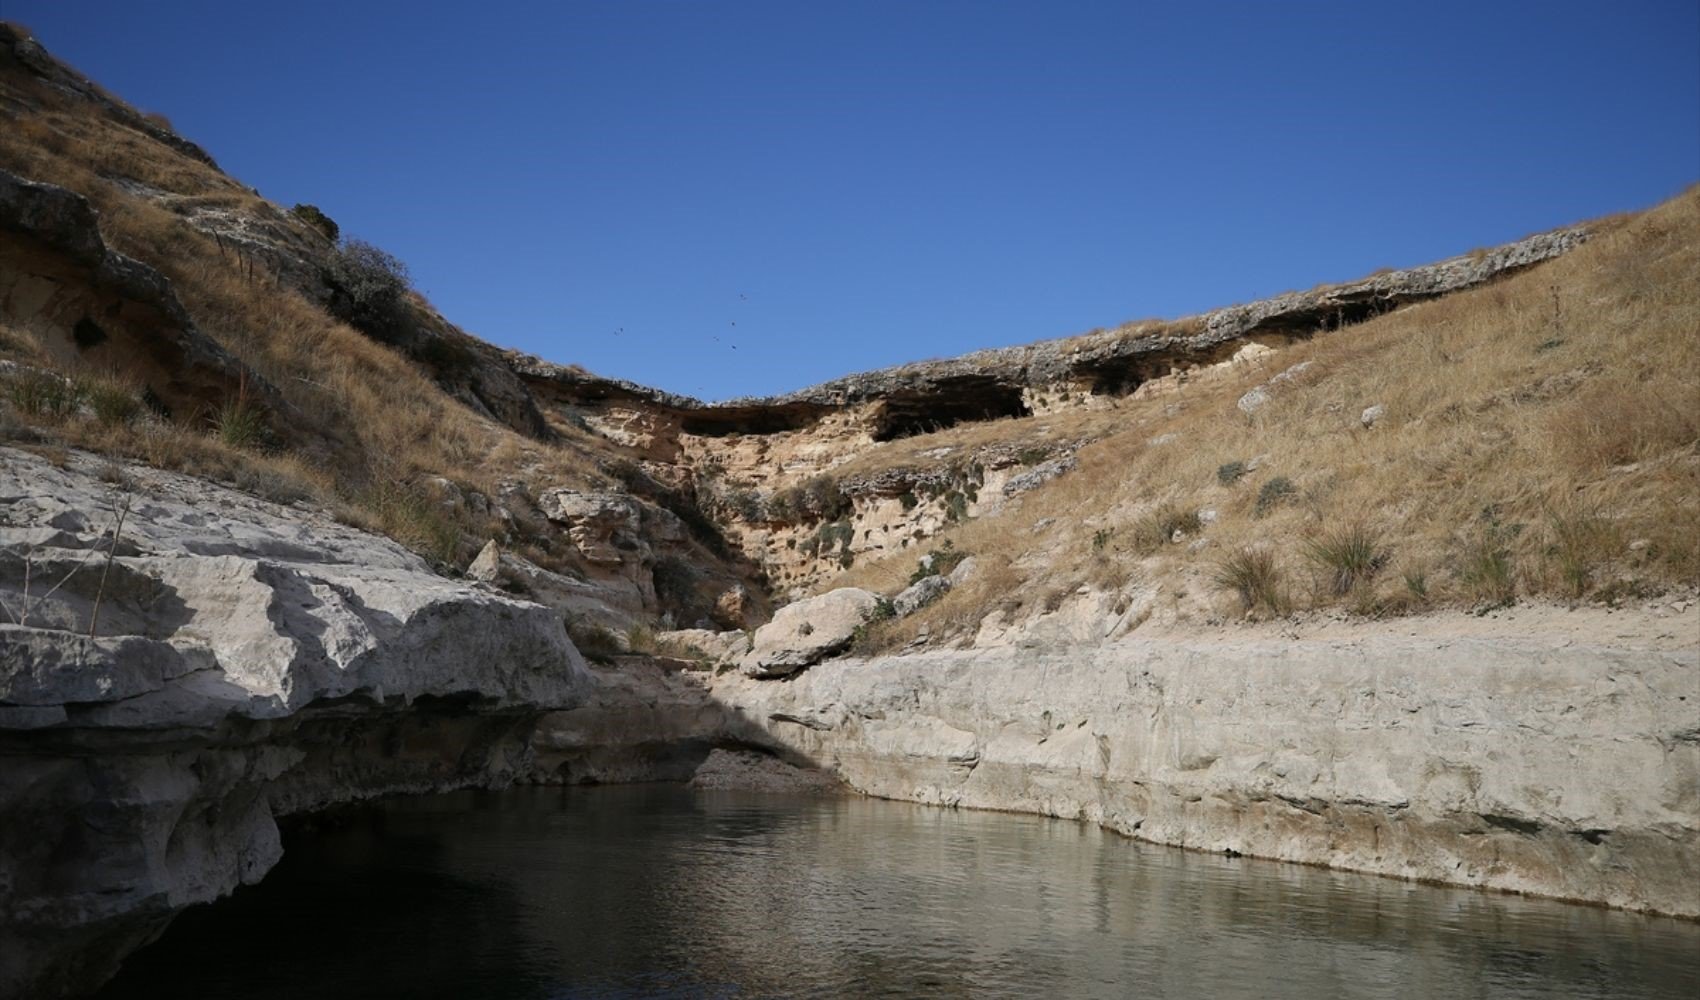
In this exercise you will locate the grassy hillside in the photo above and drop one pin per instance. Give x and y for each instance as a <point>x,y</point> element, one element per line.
<point>1537,437</point>
<point>370,426</point>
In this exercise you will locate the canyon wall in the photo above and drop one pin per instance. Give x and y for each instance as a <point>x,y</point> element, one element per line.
<point>181,664</point>
<point>240,661</point>
<point>1542,767</point>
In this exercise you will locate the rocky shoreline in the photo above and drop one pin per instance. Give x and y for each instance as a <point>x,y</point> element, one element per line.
<point>254,661</point>
<point>1527,766</point>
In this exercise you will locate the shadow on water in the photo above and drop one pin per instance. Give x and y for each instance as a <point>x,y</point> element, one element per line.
<point>658,891</point>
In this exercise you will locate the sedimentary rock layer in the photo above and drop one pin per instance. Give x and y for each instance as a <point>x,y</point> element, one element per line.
<point>247,661</point>
<point>1534,767</point>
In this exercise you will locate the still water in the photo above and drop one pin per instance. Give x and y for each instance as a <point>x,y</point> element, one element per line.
<point>659,891</point>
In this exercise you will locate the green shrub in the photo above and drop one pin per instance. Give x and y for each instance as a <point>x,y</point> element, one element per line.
<point>1486,569</point>
<point>596,642</point>
<point>1229,473</point>
<point>1275,492</point>
<point>1158,528</point>
<point>1253,576</point>
<point>1350,556</point>
<point>955,506</point>
<point>1416,583</point>
<point>369,290</point>
<point>823,498</point>
<point>240,424</point>
<point>827,536</point>
<point>311,215</point>
<point>745,504</point>
<point>113,402</point>
<point>676,585</point>
<point>448,355</point>
<point>817,499</point>
<point>939,562</point>
<point>39,393</point>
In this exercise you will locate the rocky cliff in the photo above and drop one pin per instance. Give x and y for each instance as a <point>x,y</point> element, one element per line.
<point>182,663</point>
<point>1532,766</point>
<point>231,662</point>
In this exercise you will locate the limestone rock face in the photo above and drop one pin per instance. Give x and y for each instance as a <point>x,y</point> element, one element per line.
<point>250,660</point>
<point>920,594</point>
<point>600,524</point>
<point>91,306</point>
<point>734,608</point>
<point>718,647</point>
<point>617,536</point>
<point>1526,765</point>
<point>1039,475</point>
<point>808,631</point>
<point>578,599</point>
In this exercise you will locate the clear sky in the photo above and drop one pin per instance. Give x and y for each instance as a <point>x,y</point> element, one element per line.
<point>833,187</point>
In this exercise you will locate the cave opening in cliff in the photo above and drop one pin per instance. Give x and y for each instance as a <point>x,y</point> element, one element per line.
<point>909,415</point>
<point>1122,377</point>
<point>757,419</point>
<point>1305,322</point>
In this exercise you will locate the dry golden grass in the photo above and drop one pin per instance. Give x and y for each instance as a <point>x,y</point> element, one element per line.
<point>1541,438</point>
<point>375,424</point>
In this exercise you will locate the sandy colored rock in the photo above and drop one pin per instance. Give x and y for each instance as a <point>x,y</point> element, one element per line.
<point>808,631</point>
<point>718,647</point>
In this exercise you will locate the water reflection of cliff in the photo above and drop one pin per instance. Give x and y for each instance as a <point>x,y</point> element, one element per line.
<point>655,891</point>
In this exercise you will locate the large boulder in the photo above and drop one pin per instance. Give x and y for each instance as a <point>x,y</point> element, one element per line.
<point>808,631</point>
<point>579,600</point>
<point>716,647</point>
<point>920,594</point>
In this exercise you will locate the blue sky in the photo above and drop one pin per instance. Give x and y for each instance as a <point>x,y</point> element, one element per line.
<point>836,187</point>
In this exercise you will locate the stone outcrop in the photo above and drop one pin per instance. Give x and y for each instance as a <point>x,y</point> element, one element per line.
<point>808,631</point>
<point>1259,396</point>
<point>619,538</point>
<point>248,661</point>
<point>1529,766</point>
<point>18,49</point>
<point>920,594</point>
<point>253,661</point>
<point>715,647</point>
<point>990,384</point>
<point>90,306</point>
<point>580,600</point>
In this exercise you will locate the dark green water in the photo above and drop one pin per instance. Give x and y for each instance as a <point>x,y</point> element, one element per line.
<point>657,891</point>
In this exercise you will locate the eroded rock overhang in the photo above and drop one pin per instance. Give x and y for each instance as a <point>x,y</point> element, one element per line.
<point>925,396</point>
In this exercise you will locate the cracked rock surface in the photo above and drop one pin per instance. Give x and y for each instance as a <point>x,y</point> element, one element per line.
<point>249,661</point>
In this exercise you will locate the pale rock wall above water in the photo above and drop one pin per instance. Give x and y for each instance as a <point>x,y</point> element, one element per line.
<point>1531,766</point>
